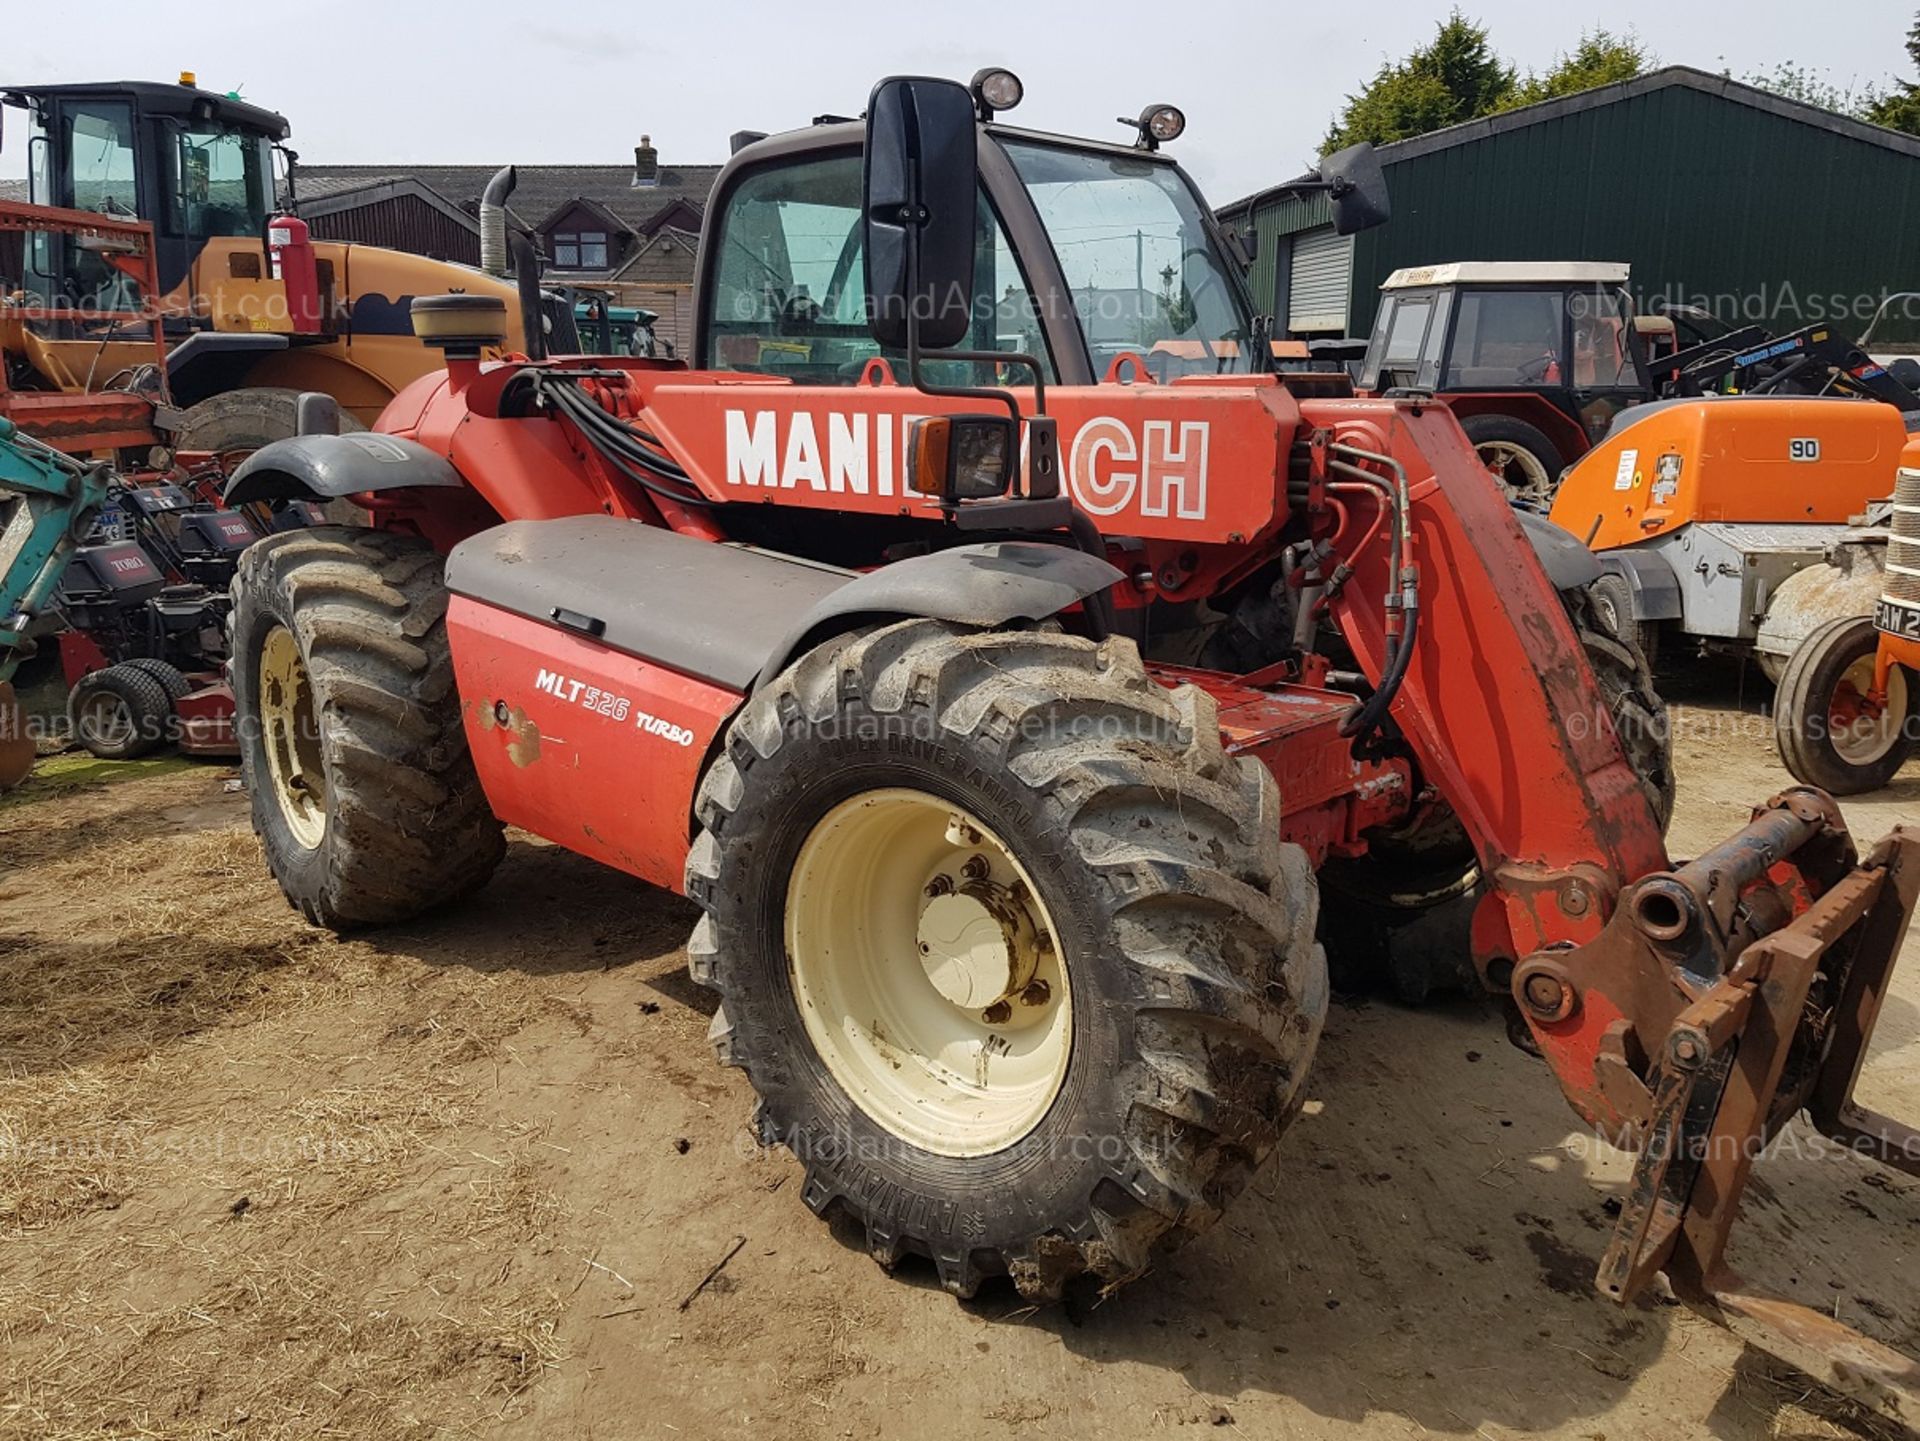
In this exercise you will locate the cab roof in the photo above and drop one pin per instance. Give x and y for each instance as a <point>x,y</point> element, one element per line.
<point>1511,272</point>
<point>156,97</point>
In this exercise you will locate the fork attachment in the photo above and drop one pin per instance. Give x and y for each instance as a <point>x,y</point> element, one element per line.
<point>1721,999</point>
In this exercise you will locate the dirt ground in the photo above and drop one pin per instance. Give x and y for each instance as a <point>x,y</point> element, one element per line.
<point>465,1177</point>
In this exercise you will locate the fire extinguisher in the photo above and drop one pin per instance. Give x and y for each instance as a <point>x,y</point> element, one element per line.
<point>290,251</point>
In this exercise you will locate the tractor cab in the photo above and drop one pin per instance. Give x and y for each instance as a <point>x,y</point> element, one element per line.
<point>194,164</point>
<point>1535,357</point>
<point>1098,261</point>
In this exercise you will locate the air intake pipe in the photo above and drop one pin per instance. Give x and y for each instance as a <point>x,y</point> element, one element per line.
<point>526,281</point>
<point>493,220</point>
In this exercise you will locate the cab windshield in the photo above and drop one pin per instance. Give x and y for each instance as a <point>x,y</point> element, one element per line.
<point>1133,244</point>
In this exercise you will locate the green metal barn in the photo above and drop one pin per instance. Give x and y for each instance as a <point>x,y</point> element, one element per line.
<point>1761,209</point>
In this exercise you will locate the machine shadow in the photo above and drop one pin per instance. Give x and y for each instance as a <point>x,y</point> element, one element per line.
<point>547,911</point>
<point>1423,1245</point>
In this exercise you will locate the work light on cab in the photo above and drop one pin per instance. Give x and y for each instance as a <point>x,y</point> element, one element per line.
<point>1157,125</point>
<point>995,90</point>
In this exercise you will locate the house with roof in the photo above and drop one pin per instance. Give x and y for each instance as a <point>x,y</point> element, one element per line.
<point>630,230</point>
<point>1720,195</point>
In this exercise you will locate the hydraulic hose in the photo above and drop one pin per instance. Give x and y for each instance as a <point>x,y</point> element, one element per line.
<point>1402,601</point>
<point>1366,717</point>
<point>658,474</point>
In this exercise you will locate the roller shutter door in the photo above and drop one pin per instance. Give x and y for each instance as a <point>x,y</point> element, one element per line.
<point>1321,281</point>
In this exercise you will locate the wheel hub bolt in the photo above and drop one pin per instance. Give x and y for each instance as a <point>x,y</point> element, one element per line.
<point>1037,993</point>
<point>939,886</point>
<point>976,868</point>
<point>997,1014</point>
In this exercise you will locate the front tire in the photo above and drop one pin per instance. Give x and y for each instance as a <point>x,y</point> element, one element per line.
<point>1159,1033</point>
<point>1828,733</point>
<point>351,744</point>
<point>239,422</point>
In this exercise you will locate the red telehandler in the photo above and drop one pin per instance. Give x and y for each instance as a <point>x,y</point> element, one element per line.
<point>1002,710</point>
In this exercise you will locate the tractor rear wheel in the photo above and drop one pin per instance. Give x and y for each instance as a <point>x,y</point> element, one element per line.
<point>1009,947</point>
<point>1525,462</point>
<point>351,745</point>
<point>1829,731</point>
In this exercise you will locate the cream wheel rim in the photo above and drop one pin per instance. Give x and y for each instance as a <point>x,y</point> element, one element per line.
<point>928,973</point>
<point>1861,735</point>
<point>1518,470</point>
<point>290,732</point>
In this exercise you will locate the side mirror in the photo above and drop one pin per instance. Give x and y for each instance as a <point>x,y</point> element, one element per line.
<point>1357,188</point>
<point>918,198</point>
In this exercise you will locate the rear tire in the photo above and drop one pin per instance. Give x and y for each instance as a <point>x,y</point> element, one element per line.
<point>1638,714</point>
<point>1407,904</point>
<point>1824,737</point>
<point>351,744</point>
<point>1182,930</point>
<point>120,713</point>
<point>172,681</point>
<point>1525,462</point>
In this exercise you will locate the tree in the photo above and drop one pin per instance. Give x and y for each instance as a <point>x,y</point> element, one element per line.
<point>1601,58</point>
<point>1811,87</point>
<point>1454,78</point>
<point>1899,108</point>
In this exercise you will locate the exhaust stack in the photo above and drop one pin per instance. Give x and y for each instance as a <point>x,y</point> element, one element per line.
<point>493,220</point>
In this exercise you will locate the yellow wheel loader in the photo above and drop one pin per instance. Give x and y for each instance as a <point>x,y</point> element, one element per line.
<point>254,311</point>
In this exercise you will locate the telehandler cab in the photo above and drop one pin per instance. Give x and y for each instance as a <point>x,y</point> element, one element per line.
<point>998,710</point>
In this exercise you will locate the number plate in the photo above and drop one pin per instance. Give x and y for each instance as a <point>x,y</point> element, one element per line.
<point>1897,619</point>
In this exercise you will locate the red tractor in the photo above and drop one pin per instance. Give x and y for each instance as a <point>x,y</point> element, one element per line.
<point>1003,712</point>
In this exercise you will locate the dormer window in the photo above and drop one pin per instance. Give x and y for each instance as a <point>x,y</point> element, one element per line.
<point>580,250</point>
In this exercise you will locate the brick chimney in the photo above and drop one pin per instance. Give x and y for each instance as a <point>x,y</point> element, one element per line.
<point>646,164</point>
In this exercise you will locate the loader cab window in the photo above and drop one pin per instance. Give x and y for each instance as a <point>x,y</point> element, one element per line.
<point>1508,338</point>
<point>787,291</point>
<point>100,158</point>
<point>220,181</point>
<point>1138,257</point>
<point>85,162</point>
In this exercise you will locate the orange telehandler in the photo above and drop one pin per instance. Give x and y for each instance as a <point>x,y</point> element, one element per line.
<point>998,710</point>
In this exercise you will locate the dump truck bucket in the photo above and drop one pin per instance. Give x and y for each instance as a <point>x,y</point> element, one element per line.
<point>1785,945</point>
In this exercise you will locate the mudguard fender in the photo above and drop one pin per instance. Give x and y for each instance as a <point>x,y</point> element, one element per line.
<point>1564,556</point>
<point>326,467</point>
<point>980,585</point>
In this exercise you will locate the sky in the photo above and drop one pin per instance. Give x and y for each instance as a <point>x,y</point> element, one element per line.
<point>400,82</point>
